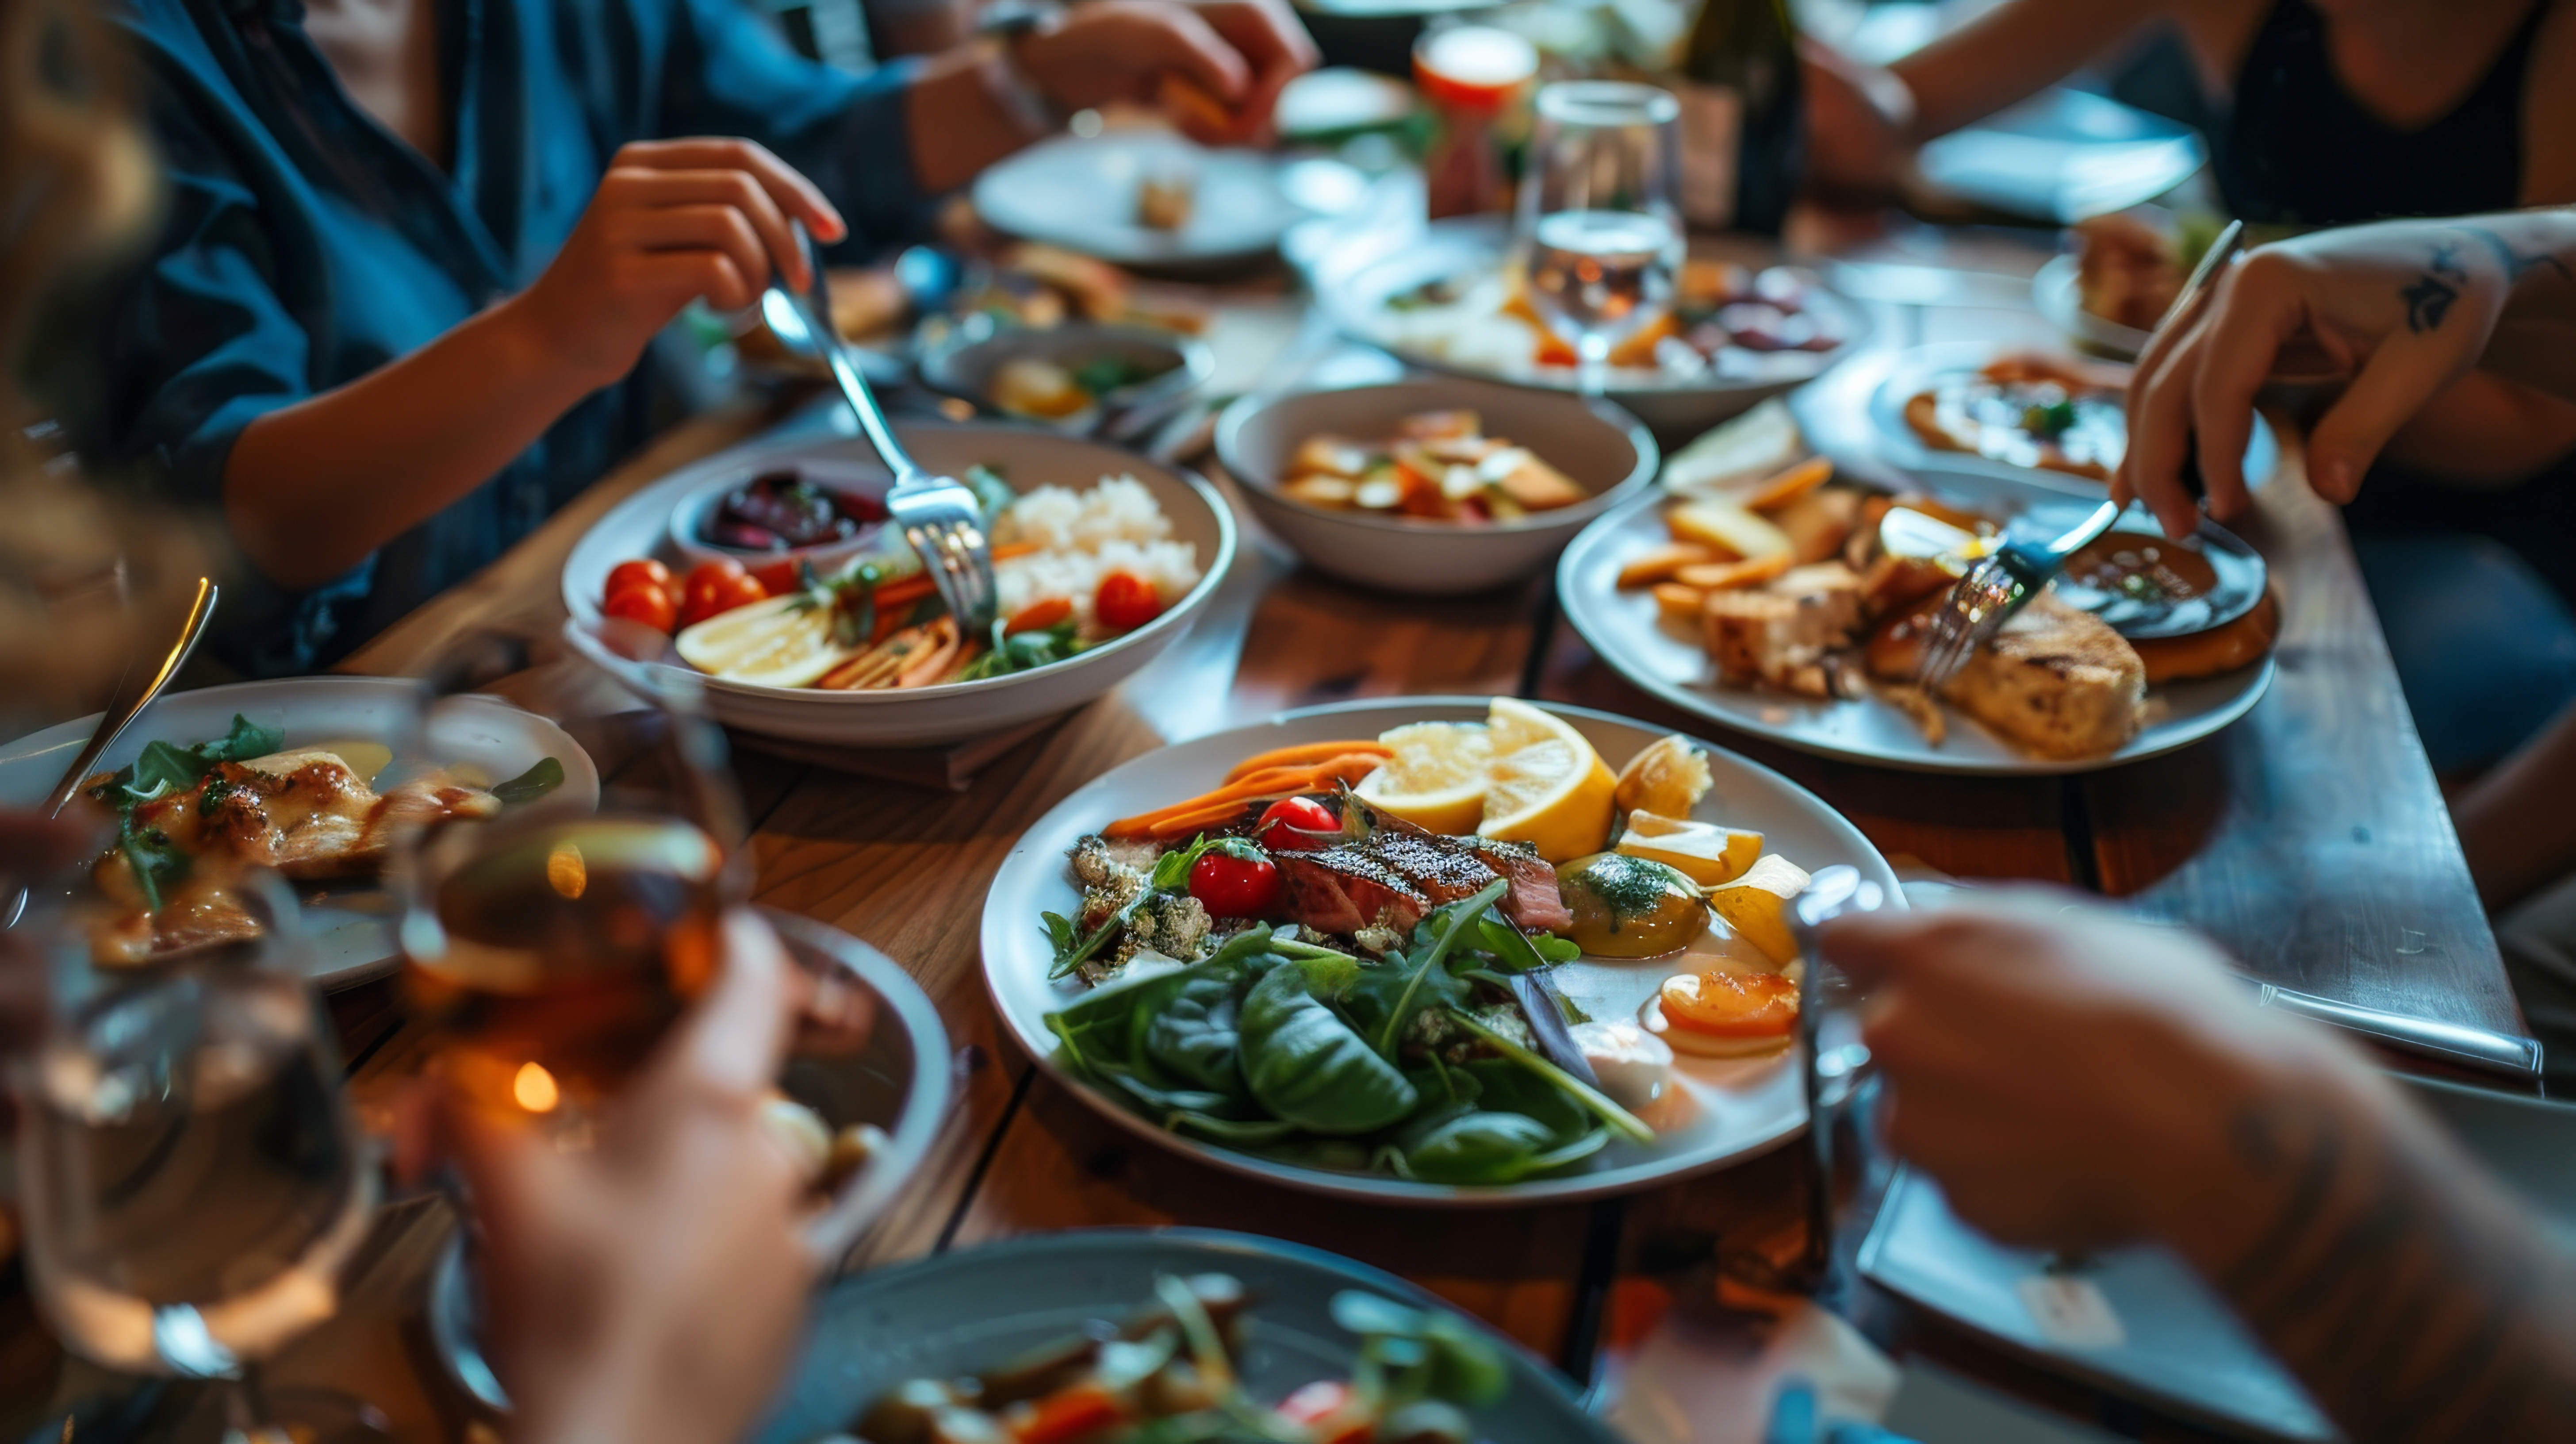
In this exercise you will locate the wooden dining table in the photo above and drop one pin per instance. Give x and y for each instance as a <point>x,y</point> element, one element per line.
<point>2309,838</point>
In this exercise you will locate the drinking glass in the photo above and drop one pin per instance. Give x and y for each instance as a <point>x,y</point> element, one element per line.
<point>194,1183</point>
<point>1835,1062</point>
<point>557,939</point>
<point>1597,216</point>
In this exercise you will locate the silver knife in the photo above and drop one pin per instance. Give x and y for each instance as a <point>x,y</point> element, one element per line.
<point>2460,1044</point>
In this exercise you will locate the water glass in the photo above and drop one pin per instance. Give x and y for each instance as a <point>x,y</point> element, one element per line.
<point>1598,221</point>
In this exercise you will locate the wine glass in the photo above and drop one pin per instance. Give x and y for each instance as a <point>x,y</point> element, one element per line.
<point>194,1183</point>
<point>1597,215</point>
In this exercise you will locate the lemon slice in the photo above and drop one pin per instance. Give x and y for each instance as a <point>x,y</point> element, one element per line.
<point>1546,786</point>
<point>1436,779</point>
<point>775,643</point>
<point>1668,778</point>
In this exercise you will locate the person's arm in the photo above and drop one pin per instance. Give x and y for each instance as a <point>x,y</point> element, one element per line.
<point>2011,52</point>
<point>2405,308</point>
<point>2075,1082</point>
<point>2516,825</point>
<point>310,489</point>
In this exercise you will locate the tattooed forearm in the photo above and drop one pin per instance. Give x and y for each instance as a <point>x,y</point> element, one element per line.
<point>2515,264</point>
<point>2412,1297</point>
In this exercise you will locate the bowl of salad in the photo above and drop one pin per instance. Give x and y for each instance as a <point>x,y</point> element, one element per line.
<point>1101,559</point>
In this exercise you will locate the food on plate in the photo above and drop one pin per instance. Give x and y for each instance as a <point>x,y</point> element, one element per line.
<point>1051,390</point>
<point>1723,321</point>
<point>1171,1373</point>
<point>1071,570</point>
<point>1634,1066</point>
<point>1707,853</point>
<point>2055,681</point>
<point>1782,633</point>
<point>781,511</point>
<point>2127,271</point>
<point>1670,776</point>
<point>1438,466</point>
<point>1719,1014</point>
<point>1756,905</point>
<point>1165,199</point>
<point>827,1158</point>
<point>189,819</point>
<point>2219,649</point>
<point>1287,964</point>
<point>2033,411</point>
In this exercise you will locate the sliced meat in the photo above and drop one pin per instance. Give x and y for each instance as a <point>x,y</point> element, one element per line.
<point>1447,868</point>
<point>1533,902</point>
<point>1343,889</point>
<point>2055,681</point>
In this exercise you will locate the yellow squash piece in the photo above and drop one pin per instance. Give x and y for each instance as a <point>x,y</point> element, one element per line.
<point>1705,852</point>
<point>1756,905</point>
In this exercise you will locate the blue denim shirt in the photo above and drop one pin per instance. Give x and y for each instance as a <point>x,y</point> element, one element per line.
<point>302,245</point>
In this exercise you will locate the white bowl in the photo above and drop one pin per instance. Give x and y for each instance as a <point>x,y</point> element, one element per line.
<point>1598,446</point>
<point>965,368</point>
<point>864,479</point>
<point>954,711</point>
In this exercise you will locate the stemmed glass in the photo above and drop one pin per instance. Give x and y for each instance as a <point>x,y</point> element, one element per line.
<point>1597,215</point>
<point>194,1183</point>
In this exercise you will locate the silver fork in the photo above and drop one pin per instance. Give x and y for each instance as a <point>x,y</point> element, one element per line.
<point>1994,589</point>
<point>939,515</point>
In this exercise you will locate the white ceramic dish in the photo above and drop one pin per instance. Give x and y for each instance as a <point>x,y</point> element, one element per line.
<point>1597,446</point>
<point>954,711</point>
<point>1354,286</point>
<point>1727,1110</point>
<point>688,520</point>
<point>2058,294</point>
<point>351,924</point>
<point>1625,629</point>
<point>1857,414</point>
<point>1081,195</point>
<point>963,364</point>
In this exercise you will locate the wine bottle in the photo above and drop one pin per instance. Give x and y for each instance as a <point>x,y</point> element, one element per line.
<point>1743,132</point>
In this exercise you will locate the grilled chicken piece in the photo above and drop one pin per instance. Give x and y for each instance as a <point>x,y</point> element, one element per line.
<point>1777,634</point>
<point>2055,681</point>
<point>305,813</point>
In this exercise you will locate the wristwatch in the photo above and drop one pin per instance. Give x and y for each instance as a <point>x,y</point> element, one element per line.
<point>1002,26</point>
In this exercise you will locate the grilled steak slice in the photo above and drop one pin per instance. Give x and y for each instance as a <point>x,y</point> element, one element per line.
<point>1533,903</point>
<point>1344,889</point>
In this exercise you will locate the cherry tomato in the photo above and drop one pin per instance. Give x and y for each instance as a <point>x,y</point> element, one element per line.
<point>1125,602</point>
<point>713,586</point>
<point>642,601</point>
<point>1281,823</point>
<point>1077,1411</point>
<point>1234,887</point>
<point>778,578</point>
<point>1314,1401</point>
<point>1731,1005</point>
<point>626,574</point>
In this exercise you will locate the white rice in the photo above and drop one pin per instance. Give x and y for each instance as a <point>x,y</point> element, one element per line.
<point>1083,536</point>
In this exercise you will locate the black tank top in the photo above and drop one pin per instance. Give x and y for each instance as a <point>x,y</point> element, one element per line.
<point>2299,150</point>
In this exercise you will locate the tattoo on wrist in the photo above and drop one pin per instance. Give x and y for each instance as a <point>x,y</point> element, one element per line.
<point>2429,299</point>
<point>2515,266</point>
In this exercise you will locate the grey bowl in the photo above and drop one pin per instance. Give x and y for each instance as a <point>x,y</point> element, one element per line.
<point>964,365</point>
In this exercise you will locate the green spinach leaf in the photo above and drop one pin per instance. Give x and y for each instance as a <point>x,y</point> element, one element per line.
<point>1306,1065</point>
<point>1505,1087</point>
<point>1194,1035</point>
<point>158,863</point>
<point>246,740</point>
<point>1477,1147</point>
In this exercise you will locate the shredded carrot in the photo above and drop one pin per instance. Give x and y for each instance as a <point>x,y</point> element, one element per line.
<point>1189,823</point>
<point>891,620</point>
<point>904,589</point>
<point>1268,783</point>
<point>1349,767</point>
<point>940,650</point>
<point>1039,615</point>
<point>1304,754</point>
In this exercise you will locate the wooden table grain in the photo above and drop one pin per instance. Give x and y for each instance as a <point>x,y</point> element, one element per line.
<point>2310,838</point>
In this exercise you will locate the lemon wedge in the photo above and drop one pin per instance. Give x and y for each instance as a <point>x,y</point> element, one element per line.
<point>1756,905</point>
<point>776,643</point>
<point>1546,786</point>
<point>1436,779</point>
<point>1668,778</point>
<point>1704,852</point>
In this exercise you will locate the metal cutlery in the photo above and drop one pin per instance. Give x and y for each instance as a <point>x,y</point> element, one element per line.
<point>939,515</point>
<point>2202,277</point>
<point>1997,587</point>
<point>135,693</point>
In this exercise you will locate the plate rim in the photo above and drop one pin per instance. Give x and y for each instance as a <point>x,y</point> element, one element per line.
<point>1697,704</point>
<point>2056,292</point>
<point>991,940</point>
<point>1286,214</point>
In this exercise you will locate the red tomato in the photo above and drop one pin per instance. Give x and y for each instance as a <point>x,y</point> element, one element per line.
<point>1125,602</point>
<point>1327,1410</point>
<point>1076,1411</point>
<point>710,582</point>
<point>1289,816</point>
<point>642,601</point>
<point>626,574</point>
<point>1234,887</point>
<point>778,578</point>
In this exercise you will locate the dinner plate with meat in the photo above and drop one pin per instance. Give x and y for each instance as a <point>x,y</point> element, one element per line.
<point>1796,606</point>
<point>294,775</point>
<point>1424,950</point>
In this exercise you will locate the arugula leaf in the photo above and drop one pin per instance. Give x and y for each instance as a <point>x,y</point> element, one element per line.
<point>1556,949</point>
<point>245,741</point>
<point>158,863</point>
<point>528,786</point>
<point>1624,1122</point>
<point>1401,1011</point>
<point>163,769</point>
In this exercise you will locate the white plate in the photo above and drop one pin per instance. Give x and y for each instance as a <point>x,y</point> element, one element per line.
<point>1628,632</point>
<point>640,526</point>
<point>1081,195</point>
<point>2062,155</point>
<point>2058,293</point>
<point>1355,284</point>
<point>351,923</point>
<point>1731,1109</point>
<point>1857,415</point>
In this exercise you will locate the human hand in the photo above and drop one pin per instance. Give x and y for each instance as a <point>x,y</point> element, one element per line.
<point>651,1289</point>
<point>1860,121</point>
<point>2404,308</point>
<point>1242,52</point>
<point>673,221</point>
<point>2068,1078</point>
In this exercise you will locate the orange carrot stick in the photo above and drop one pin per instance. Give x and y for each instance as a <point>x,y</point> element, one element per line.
<point>1271,782</point>
<point>1304,754</point>
<point>1190,823</point>
<point>1039,615</point>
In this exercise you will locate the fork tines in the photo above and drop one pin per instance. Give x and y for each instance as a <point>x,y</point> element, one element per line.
<point>1977,605</point>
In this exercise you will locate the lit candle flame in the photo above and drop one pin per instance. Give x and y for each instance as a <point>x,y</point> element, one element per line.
<point>535,1089</point>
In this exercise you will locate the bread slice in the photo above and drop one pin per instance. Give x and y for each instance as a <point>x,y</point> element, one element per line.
<point>2056,682</point>
<point>1778,634</point>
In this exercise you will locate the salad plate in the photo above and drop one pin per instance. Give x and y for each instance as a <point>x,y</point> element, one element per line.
<point>350,922</point>
<point>1020,460</point>
<point>1716,1109</point>
<point>1627,630</point>
<point>1085,194</point>
<point>963,1314</point>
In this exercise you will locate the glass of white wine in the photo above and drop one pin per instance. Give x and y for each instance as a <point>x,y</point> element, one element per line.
<point>1598,223</point>
<point>194,1183</point>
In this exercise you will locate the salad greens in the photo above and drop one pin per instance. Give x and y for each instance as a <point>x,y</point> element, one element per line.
<point>162,769</point>
<point>1018,652</point>
<point>1171,875</point>
<point>1303,1053</point>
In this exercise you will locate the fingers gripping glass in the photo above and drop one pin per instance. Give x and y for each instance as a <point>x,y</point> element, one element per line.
<point>1834,1059</point>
